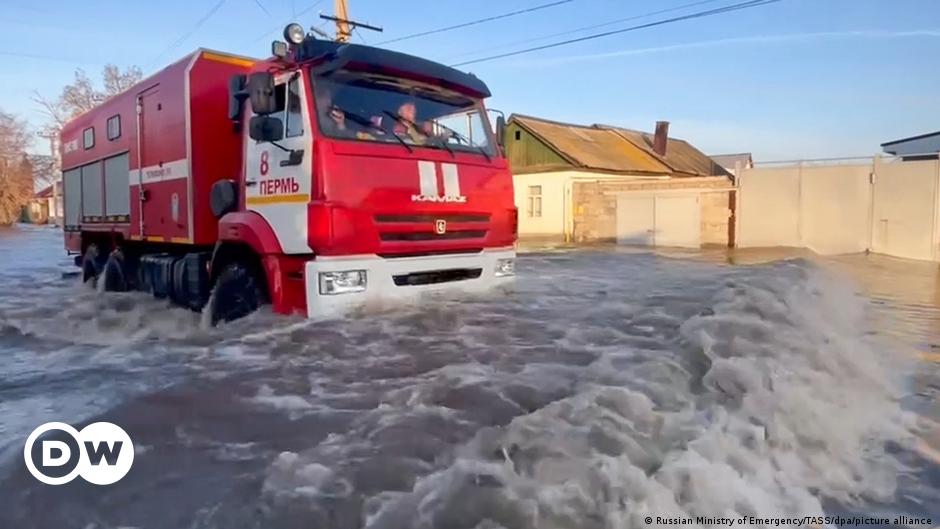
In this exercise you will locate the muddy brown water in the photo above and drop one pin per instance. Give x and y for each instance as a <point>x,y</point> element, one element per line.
<point>608,386</point>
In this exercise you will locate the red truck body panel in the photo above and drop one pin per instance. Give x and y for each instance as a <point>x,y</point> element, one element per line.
<point>185,102</point>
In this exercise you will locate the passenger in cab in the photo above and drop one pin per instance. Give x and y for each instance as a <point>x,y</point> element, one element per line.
<point>407,125</point>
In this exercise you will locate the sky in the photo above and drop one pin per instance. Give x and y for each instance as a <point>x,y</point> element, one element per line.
<point>796,79</point>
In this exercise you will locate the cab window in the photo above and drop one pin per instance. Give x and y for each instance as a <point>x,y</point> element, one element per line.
<point>294,118</point>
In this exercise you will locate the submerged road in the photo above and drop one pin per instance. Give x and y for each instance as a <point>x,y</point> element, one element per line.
<point>609,386</point>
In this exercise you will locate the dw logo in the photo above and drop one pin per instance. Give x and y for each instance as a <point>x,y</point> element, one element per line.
<point>101,453</point>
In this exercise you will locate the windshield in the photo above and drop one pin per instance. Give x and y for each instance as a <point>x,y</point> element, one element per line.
<point>372,107</point>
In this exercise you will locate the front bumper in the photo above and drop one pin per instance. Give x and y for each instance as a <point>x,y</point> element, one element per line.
<point>382,274</point>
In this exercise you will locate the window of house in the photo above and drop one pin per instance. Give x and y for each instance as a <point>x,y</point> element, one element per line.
<point>114,127</point>
<point>518,135</point>
<point>534,202</point>
<point>88,138</point>
<point>294,121</point>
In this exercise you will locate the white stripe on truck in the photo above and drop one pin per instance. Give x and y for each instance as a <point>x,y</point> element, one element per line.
<point>175,170</point>
<point>428,178</point>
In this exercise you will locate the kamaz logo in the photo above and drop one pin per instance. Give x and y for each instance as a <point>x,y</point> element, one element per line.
<point>431,181</point>
<point>439,199</point>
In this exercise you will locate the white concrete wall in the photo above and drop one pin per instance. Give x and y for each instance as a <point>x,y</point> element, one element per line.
<point>768,208</point>
<point>886,207</point>
<point>835,207</point>
<point>823,208</point>
<point>905,209</point>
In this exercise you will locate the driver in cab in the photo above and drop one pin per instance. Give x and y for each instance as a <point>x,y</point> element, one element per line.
<point>335,123</point>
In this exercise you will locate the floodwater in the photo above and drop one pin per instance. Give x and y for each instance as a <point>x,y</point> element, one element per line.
<point>611,385</point>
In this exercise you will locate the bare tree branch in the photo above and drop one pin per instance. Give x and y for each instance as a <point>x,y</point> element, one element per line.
<point>81,95</point>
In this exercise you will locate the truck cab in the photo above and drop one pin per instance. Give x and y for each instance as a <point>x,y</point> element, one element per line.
<point>382,169</point>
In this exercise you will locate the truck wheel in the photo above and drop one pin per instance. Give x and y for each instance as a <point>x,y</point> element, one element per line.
<point>114,273</point>
<point>236,294</point>
<point>92,264</point>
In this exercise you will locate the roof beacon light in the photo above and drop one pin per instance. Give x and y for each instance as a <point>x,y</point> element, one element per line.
<point>294,33</point>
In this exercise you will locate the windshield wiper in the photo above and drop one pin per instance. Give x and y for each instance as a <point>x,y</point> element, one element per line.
<point>365,122</point>
<point>408,123</point>
<point>465,140</point>
<point>446,145</point>
<point>454,134</point>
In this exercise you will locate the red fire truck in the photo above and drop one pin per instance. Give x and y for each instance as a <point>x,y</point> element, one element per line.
<point>327,176</point>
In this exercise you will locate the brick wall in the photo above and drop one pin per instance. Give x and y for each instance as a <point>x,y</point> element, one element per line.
<point>595,206</point>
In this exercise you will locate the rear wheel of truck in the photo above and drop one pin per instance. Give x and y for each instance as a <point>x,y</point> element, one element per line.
<point>237,293</point>
<point>92,264</point>
<point>114,273</point>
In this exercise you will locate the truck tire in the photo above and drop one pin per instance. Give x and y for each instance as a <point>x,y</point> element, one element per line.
<point>92,264</point>
<point>114,273</point>
<point>236,294</point>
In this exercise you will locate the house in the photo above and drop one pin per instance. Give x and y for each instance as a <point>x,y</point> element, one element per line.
<point>734,162</point>
<point>922,147</point>
<point>41,206</point>
<point>604,183</point>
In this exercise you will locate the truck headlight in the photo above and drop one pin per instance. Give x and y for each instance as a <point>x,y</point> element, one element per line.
<point>505,267</point>
<point>343,282</point>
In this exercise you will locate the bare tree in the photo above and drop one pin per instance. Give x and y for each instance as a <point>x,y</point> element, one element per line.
<point>117,81</point>
<point>16,173</point>
<point>80,96</point>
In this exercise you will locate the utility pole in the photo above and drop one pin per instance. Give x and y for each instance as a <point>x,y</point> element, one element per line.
<point>344,25</point>
<point>341,12</point>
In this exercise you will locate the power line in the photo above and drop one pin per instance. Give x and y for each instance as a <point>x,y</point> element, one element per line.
<point>475,22</point>
<point>295,16</point>
<point>359,34</point>
<point>261,6</point>
<point>36,56</point>
<point>699,14</point>
<point>586,28</point>
<point>205,18</point>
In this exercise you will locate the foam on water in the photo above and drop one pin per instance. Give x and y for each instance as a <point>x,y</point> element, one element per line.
<point>769,402</point>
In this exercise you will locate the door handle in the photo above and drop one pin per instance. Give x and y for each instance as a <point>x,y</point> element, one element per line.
<point>295,157</point>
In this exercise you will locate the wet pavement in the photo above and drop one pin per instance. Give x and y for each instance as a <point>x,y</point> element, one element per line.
<point>608,386</point>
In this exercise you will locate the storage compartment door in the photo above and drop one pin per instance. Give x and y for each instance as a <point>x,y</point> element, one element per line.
<point>72,190</point>
<point>117,188</point>
<point>92,198</point>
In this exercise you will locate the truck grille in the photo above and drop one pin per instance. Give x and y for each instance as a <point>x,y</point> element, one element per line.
<point>428,253</point>
<point>431,218</point>
<point>437,276</point>
<point>431,236</point>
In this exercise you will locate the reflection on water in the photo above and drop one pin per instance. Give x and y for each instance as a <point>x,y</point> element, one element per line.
<point>611,384</point>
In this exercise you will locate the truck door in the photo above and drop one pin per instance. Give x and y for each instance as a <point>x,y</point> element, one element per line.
<point>148,107</point>
<point>163,166</point>
<point>277,187</point>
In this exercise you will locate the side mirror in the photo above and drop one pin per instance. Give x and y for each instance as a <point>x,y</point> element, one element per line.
<point>501,131</point>
<point>261,93</point>
<point>265,128</point>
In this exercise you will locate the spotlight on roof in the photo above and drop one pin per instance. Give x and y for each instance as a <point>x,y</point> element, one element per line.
<point>294,33</point>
